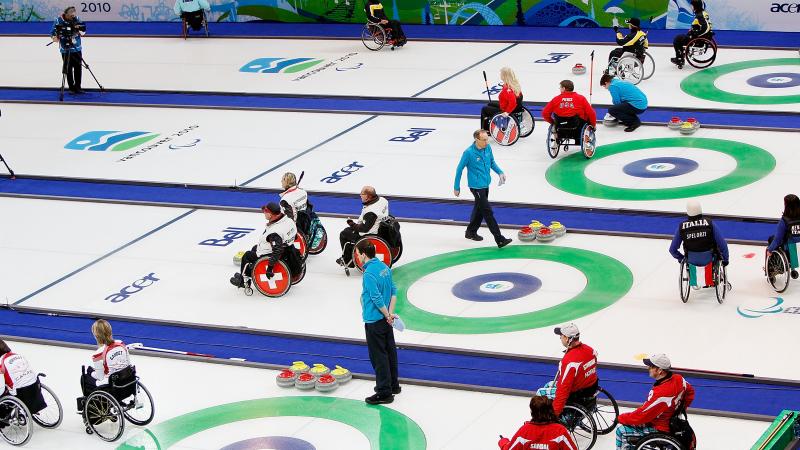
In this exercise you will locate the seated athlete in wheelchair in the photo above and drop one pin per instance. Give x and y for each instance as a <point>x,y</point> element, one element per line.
<point>275,255</point>
<point>634,42</point>
<point>628,61</point>
<point>374,223</point>
<point>192,13</point>
<point>781,257</point>
<point>20,381</point>
<point>697,46</point>
<point>572,121</point>
<point>110,359</point>
<point>393,30</point>
<point>507,119</point>
<point>660,422</point>
<point>295,205</point>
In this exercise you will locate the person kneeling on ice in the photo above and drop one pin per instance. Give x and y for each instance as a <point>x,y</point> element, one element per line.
<point>543,431</point>
<point>277,239</point>
<point>111,357</point>
<point>702,240</point>
<point>629,101</point>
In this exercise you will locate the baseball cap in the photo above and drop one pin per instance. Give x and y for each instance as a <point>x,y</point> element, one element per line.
<point>634,21</point>
<point>659,360</point>
<point>271,207</point>
<point>569,330</point>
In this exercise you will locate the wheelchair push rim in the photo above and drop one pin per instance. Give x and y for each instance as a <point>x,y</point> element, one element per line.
<point>778,271</point>
<point>299,277</point>
<point>276,286</point>
<point>629,68</point>
<point>382,252</point>
<point>606,412</point>
<point>102,415</point>
<point>659,441</point>
<point>527,123</point>
<point>588,141</point>
<point>301,244</point>
<point>580,425</point>
<point>373,37</point>
<point>504,129</point>
<point>683,282</point>
<point>691,54</point>
<point>322,241</point>
<point>721,282</point>
<point>140,409</point>
<point>649,66</point>
<point>52,415</point>
<point>20,427</point>
<point>552,143</point>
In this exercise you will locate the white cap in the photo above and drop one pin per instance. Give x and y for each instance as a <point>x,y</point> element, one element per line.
<point>659,360</point>
<point>569,330</point>
<point>693,208</point>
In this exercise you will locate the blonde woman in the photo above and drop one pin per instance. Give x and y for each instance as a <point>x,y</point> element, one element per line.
<point>293,198</point>
<point>111,357</point>
<point>509,100</point>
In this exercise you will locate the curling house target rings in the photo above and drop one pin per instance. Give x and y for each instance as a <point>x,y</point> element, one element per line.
<point>701,84</point>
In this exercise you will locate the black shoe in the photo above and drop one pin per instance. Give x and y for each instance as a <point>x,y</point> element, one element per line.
<point>503,242</point>
<point>794,274</point>
<point>474,236</point>
<point>340,261</point>
<point>677,61</point>
<point>397,390</point>
<point>237,280</point>
<point>632,127</point>
<point>78,91</point>
<point>379,399</point>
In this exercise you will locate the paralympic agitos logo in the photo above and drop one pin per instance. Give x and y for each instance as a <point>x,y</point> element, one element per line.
<point>774,308</point>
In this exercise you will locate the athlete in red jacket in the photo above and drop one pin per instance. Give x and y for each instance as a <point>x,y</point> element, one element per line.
<point>569,104</point>
<point>543,432</point>
<point>670,392</point>
<point>577,371</point>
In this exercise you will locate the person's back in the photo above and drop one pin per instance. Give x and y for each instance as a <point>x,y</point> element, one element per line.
<point>700,237</point>
<point>546,436</point>
<point>16,372</point>
<point>577,374</point>
<point>190,6</point>
<point>569,104</point>
<point>374,11</point>
<point>110,359</point>
<point>701,25</point>
<point>664,399</point>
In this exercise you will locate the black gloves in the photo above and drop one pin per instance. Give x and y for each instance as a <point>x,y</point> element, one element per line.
<point>270,273</point>
<point>616,29</point>
<point>725,263</point>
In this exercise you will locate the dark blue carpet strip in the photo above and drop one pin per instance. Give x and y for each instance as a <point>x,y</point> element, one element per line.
<point>743,395</point>
<point>771,39</point>
<point>405,106</point>
<point>611,221</point>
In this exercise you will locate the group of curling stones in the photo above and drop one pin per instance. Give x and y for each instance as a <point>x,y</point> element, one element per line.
<point>687,127</point>
<point>537,231</point>
<point>318,377</point>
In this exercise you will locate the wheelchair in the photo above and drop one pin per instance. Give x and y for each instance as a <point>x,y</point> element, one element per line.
<point>586,418</point>
<point>700,52</point>
<point>185,25</point>
<point>629,67</point>
<point>680,437</point>
<point>376,35</point>
<point>781,267</point>
<point>565,131</point>
<point>715,275</point>
<point>277,286</point>
<point>507,130</point>
<point>17,419</point>
<point>108,407</point>
<point>388,245</point>
<point>313,232</point>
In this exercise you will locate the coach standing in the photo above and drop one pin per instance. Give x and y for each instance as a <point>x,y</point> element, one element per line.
<point>478,160</point>
<point>378,297</point>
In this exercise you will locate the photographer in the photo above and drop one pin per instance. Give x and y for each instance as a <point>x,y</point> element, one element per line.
<point>67,31</point>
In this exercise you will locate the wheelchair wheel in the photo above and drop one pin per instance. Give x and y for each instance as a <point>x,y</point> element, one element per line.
<point>53,413</point>
<point>526,123</point>
<point>606,412</point>
<point>373,37</point>
<point>504,130</point>
<point>629,68</point>
<point>382,251</point>
<point>721,282</point>
<point>588,141</point>
<point>649,66</point>
<point>19,427</point>
<point>683,281</point>
<point>320,240</point>
<point>139,409</point>
<point>778,271</point>
<point>701,52</point>
<point>102,415</point>
<point>552,142</point>
<point>278,285</point>
<point>580,425</point>
<point>301,244</point>
<point>658,441</point>
<point>299,277</point>
<point>397,252</point>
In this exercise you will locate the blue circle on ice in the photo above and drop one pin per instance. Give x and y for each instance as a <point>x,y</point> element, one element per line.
<point>660,167</point>
<point>496,287</point>
<point>271,442</point>
<point>775,80</point>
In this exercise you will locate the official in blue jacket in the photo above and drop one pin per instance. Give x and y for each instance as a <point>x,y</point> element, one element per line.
<point>629,101</point>
<point>192,11</point>
<point>478,160</point>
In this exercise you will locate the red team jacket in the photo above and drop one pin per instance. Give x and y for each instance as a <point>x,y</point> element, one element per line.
<point>539,436</point>
<point>577,370</point>
<point>507,100</point>
<point>570,104</point>
<point>661,403</point>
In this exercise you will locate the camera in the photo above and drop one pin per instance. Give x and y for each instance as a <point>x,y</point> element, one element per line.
<point>67,32</point>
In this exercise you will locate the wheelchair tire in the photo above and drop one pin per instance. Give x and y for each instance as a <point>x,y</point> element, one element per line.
<point>278,285</point>
<point>700,52</point>
<point>658,441</point>
<point>52,415</point>
<point>778,271</point>
<point>588,141</point>
<point>141,409</point>
<point>301,244</point>
<point>683,281</point>
<point>527,124</point>
<point>382,251</point>
<point>397,252</point>
<point>721,282</point>
<point>321,244</point>
<point>298,278</point>
<point>649,66</point>
<point>552,143</point>
<point>20,427</point>
<point>580,424</point>
<point>373,37</point>
<point>629,68</point>
<point>103,416</point>
<point>504,135</point>
<point>606,412</point>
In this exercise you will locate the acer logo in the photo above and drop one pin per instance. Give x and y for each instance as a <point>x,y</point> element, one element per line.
<point>785,8</point>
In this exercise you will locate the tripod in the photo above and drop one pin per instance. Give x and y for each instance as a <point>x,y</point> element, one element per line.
<point>66,66</point>
<point>10,172</point>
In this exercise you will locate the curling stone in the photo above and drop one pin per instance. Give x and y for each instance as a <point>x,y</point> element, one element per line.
<point>305,381</point>
<point>341,374</point>
<point>687,128</point>
<point>695,123</point>
<point>579,69</point>
<point>237,259</point>
<point>610,121</point>
<point>535,225</point>
<point>526,234</point>
<point>326,383</point>
<point>286,378</point>
<point>558,228</point>
<point>545,234</point>
<point>674,123</point>
<point>319,370</point>
<point>299,367</point>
